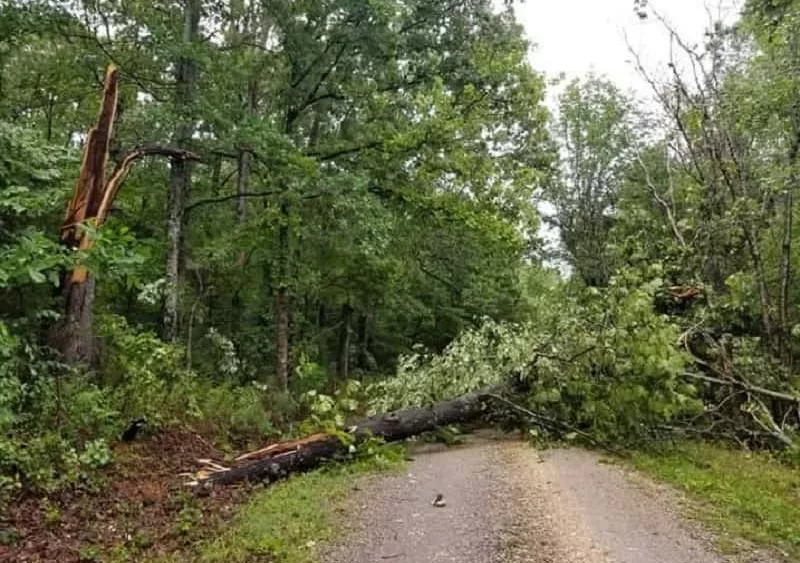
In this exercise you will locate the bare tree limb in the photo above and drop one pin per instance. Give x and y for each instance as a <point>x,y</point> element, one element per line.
<point>756,389</point>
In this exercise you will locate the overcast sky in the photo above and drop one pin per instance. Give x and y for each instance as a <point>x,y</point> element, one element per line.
<point>579,36</point>
<point>575,37</point>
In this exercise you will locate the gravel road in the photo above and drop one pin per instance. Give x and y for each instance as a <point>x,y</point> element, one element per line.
<point>506,502</point>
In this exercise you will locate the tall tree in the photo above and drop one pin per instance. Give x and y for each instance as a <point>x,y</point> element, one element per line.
<point>595,131</point>
<point>181,169</point>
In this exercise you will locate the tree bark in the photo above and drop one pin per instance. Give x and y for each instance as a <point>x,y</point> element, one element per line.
<point>343,362</point>
<point>363,342</point>
<point>243,164</point>
<point>786,268</point>
<point>786,253</point>
<point>74,336</point>
<point>282,302</point>
<point>391,427</point>
<point>180,170</point>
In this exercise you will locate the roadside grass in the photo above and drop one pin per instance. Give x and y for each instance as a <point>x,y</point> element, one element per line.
<point>285,522</point>
<point>741,494</point>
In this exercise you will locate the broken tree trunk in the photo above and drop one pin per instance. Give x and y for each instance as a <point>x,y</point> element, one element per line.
<point>309,453</point>
<point>90,206</point>
<point>73,335</point>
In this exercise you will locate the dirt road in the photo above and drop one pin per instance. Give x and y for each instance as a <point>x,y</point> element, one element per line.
<point>506,502</point>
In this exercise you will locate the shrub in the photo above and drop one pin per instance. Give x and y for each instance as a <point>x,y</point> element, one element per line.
<point>56,423</point>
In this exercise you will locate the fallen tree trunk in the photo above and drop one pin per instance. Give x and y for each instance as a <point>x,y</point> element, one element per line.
<point>310,452</point>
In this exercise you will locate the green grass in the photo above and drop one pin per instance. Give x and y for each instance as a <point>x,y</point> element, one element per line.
<point>285,522</point>
<point>741,494</point>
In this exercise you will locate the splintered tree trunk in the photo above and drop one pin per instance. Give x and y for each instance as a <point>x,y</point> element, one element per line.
<point>73,336</point>
<point>180,171</point>
<point>91,203</point>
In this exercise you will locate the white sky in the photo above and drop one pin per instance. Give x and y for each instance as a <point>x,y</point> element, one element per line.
<point>579,36</point>
<point>576,37</point>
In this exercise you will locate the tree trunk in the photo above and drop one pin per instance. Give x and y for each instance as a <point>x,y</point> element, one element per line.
<point>180,170</point>
<point>786,254</point>
<point>75,333</point>
<point>363,342</point>
<point>391,427</point>
<point>243,163</point>
<point>322,317</point>
<point>50,111</point>
<point>786,269</point>
<point>282,302</point>
<point>343,362</point>
<point>175,218</point>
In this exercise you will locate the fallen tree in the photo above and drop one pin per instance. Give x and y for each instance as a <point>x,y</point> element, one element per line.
<point>540,393</point>
<point>279,460</point>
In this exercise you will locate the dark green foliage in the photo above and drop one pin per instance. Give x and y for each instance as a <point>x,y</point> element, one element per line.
<point>372,163</point>
<point>32,193</point>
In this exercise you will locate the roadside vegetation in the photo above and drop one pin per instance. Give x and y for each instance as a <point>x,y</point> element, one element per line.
<point>750,495</point>
<point>290,521</point>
